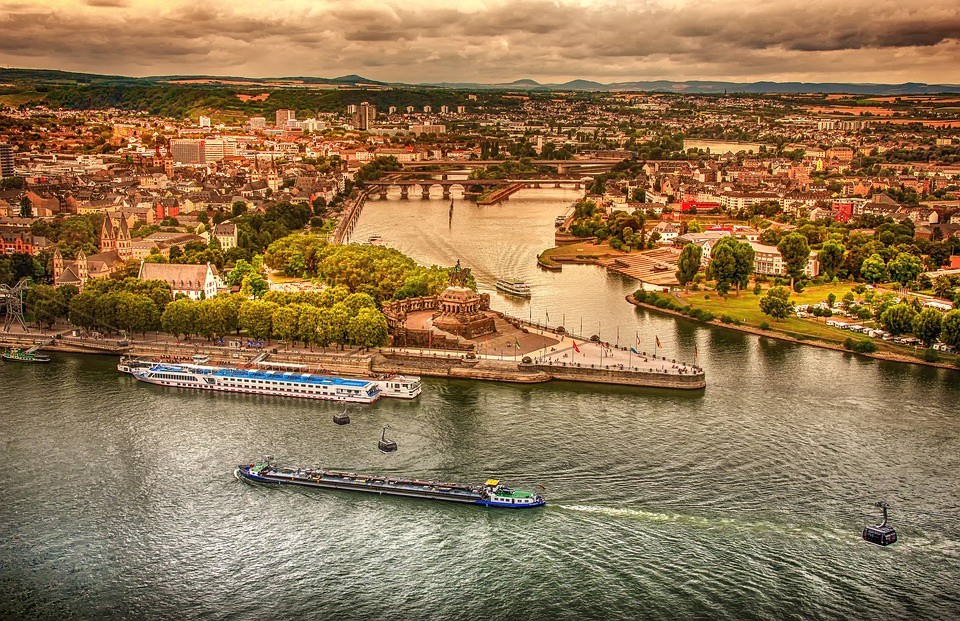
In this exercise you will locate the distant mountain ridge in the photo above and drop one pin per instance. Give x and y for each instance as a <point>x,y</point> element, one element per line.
<point>525,84</point>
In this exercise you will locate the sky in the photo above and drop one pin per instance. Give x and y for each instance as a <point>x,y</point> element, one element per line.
<point>415,41</point>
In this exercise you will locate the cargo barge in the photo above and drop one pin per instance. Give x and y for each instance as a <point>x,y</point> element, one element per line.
<point>490,494</point>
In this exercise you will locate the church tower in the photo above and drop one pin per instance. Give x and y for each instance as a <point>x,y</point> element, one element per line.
<point>83,270</point>
<point>123,243</point>
<point>57,265</point>
<point>108,239</point>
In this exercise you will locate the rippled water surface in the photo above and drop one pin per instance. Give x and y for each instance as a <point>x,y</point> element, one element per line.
<point>744,501</point>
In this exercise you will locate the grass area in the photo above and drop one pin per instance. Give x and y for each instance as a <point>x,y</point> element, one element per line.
<point>579,251</point>
<point>745,308</point>
<point>15,99</point>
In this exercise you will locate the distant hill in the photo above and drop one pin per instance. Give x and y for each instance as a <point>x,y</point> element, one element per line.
<point>55,77</point>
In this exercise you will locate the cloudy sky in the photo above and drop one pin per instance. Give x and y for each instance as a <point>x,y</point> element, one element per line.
<point>887,41</point>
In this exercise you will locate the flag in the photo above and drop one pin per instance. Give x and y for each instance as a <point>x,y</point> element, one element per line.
<point>517,343</point>
<point>575,348</point>
<point>660,345</point>
<point>638,339</point>
<point>548,315</point>
<point>696,352</point>
<point>632,350</point>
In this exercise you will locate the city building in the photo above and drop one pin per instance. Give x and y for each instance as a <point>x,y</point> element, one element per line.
<point>768,260</point>
<point>283,116</point>
<point>6,160</point>
<point>204,121</point>
<point>365,116</point>
<point>195,281</point>
<point>187,150</point>
<point>226,234</point>
<point>257,122</point>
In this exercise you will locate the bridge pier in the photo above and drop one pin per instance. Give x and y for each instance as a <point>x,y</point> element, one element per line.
<point>404,191</point>
<point>446,191</point>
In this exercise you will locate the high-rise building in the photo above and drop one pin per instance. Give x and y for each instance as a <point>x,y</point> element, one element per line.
<point>6,160</point>
<point>257,122</point>
<point>186,151</point>
<point>283,116</point>
<point>204,121</point>
<point>461,109</point>
<point>392,110</point>
<point>212,150</point>
<point>427,109</point>
<point>444,109</point>
<point>365,116</point>
<point>352,109</point>
<point>410,109</point>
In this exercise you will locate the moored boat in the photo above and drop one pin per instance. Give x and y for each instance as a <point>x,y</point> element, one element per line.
<point>490,494</point>
<point>513,286</point>
<point>132,365</point>
<point>255,382</point>
<point>28,356</point>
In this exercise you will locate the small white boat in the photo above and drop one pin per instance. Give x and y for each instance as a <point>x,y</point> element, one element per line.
<point>374,239</point>
<point>513,286</point>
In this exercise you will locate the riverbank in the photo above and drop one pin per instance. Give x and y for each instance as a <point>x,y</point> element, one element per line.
<point>351,361</point>
<point>716,323</point>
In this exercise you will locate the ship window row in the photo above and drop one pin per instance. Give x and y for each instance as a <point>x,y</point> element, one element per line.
<point>174,376</point>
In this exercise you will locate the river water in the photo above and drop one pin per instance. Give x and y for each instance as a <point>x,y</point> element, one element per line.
<point>743,501</point>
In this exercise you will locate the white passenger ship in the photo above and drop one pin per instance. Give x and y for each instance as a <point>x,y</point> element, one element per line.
<point>278,383</point>
<point>513,287</point>
<point>300,385</point>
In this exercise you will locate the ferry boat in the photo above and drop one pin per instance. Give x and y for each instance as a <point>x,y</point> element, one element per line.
<point>399,386</point>
<point>490,494</point>
<point>256,382</point>
<point>28,356</point>
<point>513,287</point>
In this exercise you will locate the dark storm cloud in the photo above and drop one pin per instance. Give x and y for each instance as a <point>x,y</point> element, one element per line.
<point>812,39</point>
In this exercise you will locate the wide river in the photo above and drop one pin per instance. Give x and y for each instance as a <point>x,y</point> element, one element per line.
<point>743,501</point>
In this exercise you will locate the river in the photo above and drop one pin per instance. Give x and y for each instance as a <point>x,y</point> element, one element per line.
<point>743,501</point>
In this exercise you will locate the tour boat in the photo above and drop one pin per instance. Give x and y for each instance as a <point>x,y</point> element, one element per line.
<point>374,239</point>
<point>490,494</point>
<point>514,287</point>
<point>399,386</point>
<point>256,382</point>
<point>25,356</point>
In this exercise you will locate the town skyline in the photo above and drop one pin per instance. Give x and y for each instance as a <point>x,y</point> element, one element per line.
<point>875,42</point>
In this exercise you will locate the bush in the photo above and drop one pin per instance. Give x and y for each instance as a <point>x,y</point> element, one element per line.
<point>695,287</point>
<point>798,287</point>
<point>929,355</point>
<point>726,319</point>
<point>764,325</point>
<point>861,346</point>
<point>706,297</point>
<point>757,289</point>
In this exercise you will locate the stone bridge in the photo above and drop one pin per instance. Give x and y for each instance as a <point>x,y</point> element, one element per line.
<point>424,187</point>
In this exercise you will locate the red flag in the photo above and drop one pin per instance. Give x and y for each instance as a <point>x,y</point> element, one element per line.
<point>658,342</point>
<point>575,348</point>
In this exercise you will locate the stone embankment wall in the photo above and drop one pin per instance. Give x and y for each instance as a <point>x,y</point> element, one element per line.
<point>625,378</point>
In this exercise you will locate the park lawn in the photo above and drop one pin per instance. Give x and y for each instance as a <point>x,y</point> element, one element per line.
<point>746,308</point>
<point>579,250</point>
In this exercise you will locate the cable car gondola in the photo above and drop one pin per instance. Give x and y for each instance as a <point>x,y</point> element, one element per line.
<point>386,446</point>
<point>881,534</point>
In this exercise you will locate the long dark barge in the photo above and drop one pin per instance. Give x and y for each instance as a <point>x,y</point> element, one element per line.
<point>490,494</point>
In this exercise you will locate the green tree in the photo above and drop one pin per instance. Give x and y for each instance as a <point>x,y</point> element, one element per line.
<point>795,251</point>
<point>731,263</point>
<point>254,285</point>
<point>240,271</point>
<point>689,264</point>
<point>47,305</point>
<point>950,328</point>
<point>83,311</point>
<point>904,268</point>
<point>898,319</point>
<point>179,318</point>
<point>308,321</point>
<point>256,317</point>
<point>286,324</point>
<point>776,302</point>
<point>927,326</point>
<point>336,322</point>
<point>26,207</point>
<point>831,257</point>
<point>874,269</point>
<point>368,328</point>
